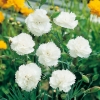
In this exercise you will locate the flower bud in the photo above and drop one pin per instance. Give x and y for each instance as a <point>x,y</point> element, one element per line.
<point>50,92</point>
<point>14,23</point>
<point>66,1</point>
<point>2,72</point>
<point>54,91</point>
<point>44,85</point>
<point>81,67</point>
<point>63,54</point>
<point>2,66</point>
<point>95,77</point>
<point>51,8</point>
<point>56,8</point>
<point>92,90</point>
<point>81,91</point>
<point>72,66</point>
<point>18,22</point>
<point>11,19</point>
<point>85,78</point>
<point>3,56</point>
<point>29,62</point>
<point>1,78</point>
<point>63,96</point>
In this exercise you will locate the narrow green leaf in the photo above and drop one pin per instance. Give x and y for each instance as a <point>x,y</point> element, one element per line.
<point>55,14</point>
<point>3,99</point>
<point>42,2</point>
<point>29,4</point>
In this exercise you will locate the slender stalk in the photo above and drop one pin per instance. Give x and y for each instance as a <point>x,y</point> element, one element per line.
<point>75,98</point>
<point>71,3</point>
<point>57,93</point>
<point>90,84</point>
<point>83,96</point>
<point>0,58</point>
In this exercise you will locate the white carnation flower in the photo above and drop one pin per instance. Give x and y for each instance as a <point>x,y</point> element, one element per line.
<point>79,47</point>
<point>48,54</point>
<point>66,20</point>
<point>62,79</point>
<point>22,44</point>
<point>94,18</point>
<point>38,23</point>
<point>28,76</point>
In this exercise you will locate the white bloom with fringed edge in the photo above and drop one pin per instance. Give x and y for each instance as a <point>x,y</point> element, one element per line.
<point>62,79</point>
<point>28,76</point>
<point>48,54</point>
<point>38,23</point>
<point>22,44</point>
<point>79,47</point>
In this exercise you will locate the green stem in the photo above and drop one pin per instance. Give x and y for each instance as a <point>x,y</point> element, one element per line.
<point>83,96</point>
<point>52,2</point>
<point>90,84</point>
<point>74,98</point>
<point>0,58</point>
<point>71,3</point>
<point>57,92</point>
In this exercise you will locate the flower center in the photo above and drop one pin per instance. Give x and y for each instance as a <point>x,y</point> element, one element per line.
<point>4,1</point>
<point>48,53</point>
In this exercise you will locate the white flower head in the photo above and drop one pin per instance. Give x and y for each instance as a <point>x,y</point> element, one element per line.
<point>22,44</point>
<point>79,47</point>
<point>62,79</point>
<point>38,23</point>
<point>28,76</point>
<point>48,54</point>
<point>66,20</point>
<point>94,18</point>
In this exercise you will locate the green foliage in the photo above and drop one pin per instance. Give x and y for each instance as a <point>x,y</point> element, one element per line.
<point>17,94</point>
<point>86,70</point>
<point>42,2</point>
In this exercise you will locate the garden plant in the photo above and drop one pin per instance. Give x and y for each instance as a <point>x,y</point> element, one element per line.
<point>50,50</point>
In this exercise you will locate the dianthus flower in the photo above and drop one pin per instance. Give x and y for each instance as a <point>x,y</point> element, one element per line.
<point>94,6</point>
<point>3,45</point>
<point>22,44</point>
<point>38,23</point>
<point>66,20</point>
<point>1,17</point>
<point>62,79</point>
<point>48,54</point>
<point>79,47</point>
<point>28,76</point>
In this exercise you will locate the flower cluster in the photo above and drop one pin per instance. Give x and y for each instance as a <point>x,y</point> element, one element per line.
<point>19,6</point>
<point>38,23</point>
